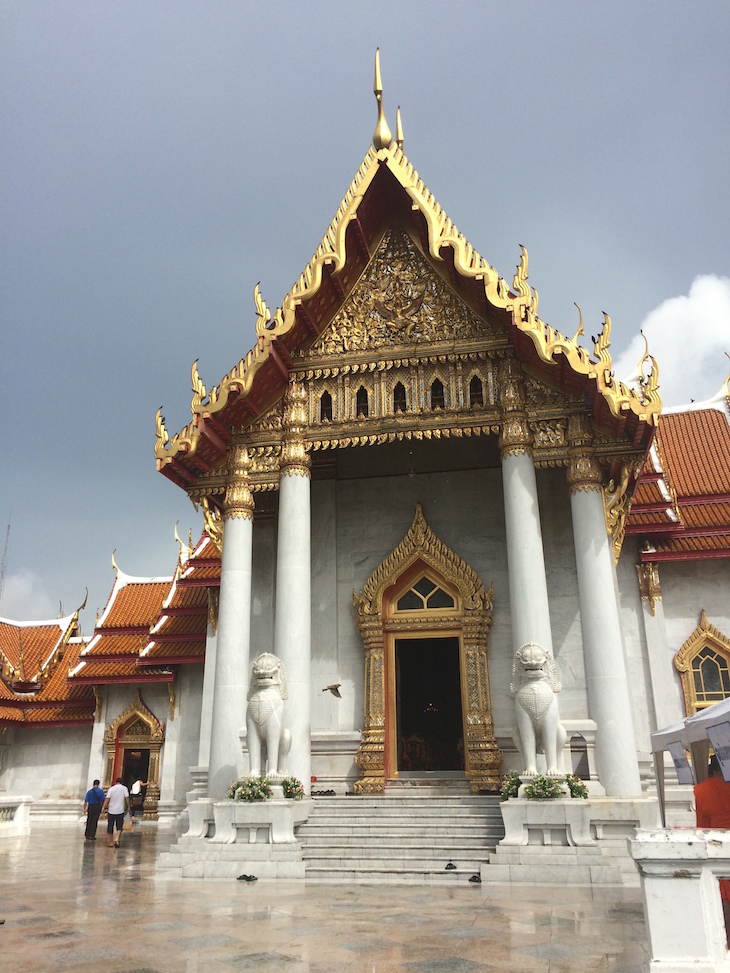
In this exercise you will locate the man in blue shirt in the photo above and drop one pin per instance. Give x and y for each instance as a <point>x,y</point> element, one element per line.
<point>93,803</point>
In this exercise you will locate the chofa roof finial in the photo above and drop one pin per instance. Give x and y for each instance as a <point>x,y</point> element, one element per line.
<point>381,137</point>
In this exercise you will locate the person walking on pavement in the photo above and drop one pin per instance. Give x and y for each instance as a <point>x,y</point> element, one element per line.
<point>92,806</point>
<point>116,805</point>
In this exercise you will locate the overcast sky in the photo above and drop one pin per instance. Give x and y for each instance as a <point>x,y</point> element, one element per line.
<point>160,158</point>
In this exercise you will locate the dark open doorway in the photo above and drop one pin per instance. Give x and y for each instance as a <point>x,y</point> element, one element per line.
<point>135,766</point>
<point>428,687</point>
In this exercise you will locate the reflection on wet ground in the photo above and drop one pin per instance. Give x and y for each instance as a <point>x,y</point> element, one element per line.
<point>71,904</point>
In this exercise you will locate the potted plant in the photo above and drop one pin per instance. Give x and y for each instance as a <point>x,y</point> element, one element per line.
<point>293,788</point>
<point>250,789</point>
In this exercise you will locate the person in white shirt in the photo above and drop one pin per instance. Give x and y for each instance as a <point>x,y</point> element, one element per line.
<point>116,805</point>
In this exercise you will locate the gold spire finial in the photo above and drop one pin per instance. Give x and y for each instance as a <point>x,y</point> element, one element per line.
<point>177,538</point>
<point>263,314</point>
<point>381,137</point>
<point>398,130</point>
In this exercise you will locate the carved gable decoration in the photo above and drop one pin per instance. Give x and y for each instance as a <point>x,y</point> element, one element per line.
<point>420,543</point>
<point>138,722</point>
<point>399,301</point>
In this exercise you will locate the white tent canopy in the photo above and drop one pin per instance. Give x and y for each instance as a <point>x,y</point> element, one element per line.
<point>691,734</point>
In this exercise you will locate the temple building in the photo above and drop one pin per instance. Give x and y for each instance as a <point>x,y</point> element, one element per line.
<point>410,476</point>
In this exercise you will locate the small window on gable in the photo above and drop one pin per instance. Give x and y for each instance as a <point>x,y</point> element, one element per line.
<point>476,392</point>
<point>703,664</point>
<point>361,403</point>
<point>438,400</point>
<point>400,403</point>
<point>424,595</point>
<point>325,407</point>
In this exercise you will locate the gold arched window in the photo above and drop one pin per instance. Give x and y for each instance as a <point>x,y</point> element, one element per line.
<point>703,664</point>
<point>424,595</point>
<point>400,401</point>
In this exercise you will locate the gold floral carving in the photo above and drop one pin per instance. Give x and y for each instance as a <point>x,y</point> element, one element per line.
<point>213,607</point>
<point>515,437</point>
<point>238,503</point>
<point>584,472</point>
<point>137,728</point>
<point>399,301</point>
<point>705,635</point>
<point>549,433</point>
<point>99,702</point>
<point>649,586</point>
<point>295,460</point>
<point>214,527</point>
<point>519,303</point>
<point>616,504</point>
<point>472,620</point>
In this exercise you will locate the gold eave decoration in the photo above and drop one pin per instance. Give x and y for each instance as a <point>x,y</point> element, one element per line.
<point>521,302</point>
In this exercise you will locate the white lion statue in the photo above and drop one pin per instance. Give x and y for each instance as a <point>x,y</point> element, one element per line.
<point>535,685</point>
<point>268,742</point>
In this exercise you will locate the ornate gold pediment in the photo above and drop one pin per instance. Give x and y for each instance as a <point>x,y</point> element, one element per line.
<point>139,724</point>
<point>399,302</point>
<point>420,543</point>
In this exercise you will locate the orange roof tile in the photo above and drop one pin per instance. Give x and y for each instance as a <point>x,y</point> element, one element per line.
<point>134,602</point>
<point>28,646</point>
<point>696,448</point>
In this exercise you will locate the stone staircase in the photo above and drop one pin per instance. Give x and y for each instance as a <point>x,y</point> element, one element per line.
<point>400,837</point>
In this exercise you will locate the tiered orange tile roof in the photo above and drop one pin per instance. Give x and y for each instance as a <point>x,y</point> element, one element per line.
<point>180,632</point>
<point>121,633</point>
<point>681,507</point>
<point>33,687</point>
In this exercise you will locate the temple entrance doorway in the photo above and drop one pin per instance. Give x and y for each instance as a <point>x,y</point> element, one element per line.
<point>135,766</point>
<point>429,707</point>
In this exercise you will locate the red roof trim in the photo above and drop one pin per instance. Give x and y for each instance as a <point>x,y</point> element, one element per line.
<point>170,660</point>
<point>651,557</point>
<point>108,680</point>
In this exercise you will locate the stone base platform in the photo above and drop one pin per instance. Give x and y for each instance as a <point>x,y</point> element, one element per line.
<point>569,842</point>
<point>201,858</point>
<point>252,839</point>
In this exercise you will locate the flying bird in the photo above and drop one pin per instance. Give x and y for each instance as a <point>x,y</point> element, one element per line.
<point>334,689</point>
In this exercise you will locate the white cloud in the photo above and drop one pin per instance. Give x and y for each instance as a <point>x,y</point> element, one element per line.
<point>688,336</point>
<point>25,600</point>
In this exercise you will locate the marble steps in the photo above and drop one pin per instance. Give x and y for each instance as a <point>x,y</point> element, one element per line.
<point>400,838</point>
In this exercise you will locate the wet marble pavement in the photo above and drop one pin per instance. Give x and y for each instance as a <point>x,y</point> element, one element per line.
<point>70,905</point>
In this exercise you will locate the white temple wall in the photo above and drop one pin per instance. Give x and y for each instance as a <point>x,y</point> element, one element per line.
<point>180,750</point>
<point>263,585</point>
<point>49,763</point>
<point>687,588</point>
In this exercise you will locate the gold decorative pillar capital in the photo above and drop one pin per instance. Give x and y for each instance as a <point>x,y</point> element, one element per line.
<point>238,502</point>
<point>515,437</point>
<point>584,472</point>
<point>294,460</point>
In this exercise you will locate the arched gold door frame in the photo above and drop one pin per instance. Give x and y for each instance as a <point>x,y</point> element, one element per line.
<point>136,728</point>
<point>468,620</point>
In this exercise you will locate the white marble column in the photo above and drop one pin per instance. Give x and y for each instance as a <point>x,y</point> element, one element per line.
<point>234,629</point>
<point>525,558</point>
<point>292,620</point>
<point>607,685</point>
